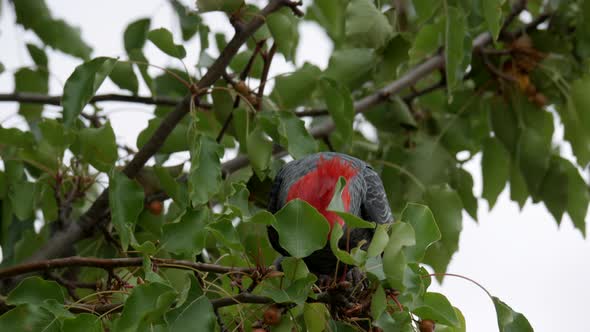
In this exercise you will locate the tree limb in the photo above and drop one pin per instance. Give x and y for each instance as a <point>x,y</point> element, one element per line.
<point>112,263</point>
<point>410,78</point>
<point>35,98</point>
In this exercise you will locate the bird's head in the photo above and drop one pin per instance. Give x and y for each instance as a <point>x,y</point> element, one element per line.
<point>317,187</point>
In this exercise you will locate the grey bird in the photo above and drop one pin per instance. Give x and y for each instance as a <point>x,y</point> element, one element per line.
<point>313,179</point>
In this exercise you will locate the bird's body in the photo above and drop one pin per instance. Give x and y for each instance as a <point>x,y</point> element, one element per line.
<point>313,179</point>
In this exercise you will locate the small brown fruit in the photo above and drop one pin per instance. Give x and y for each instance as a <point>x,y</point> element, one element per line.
<point>531,90</point>
<point>426,325</point>
<point>539,99</point>
<point>272,316</point>
<point>155,207</point>
<point>523,42</point>
<point>242,88</point>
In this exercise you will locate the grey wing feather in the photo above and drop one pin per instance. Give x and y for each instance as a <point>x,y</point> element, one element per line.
<point>273,199</point>
<point>375,206</point>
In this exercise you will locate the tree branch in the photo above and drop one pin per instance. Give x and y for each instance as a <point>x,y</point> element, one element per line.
<point>112,263</point>
<point>35,98</point>
<point>60,241</point>
<point>410,78</point>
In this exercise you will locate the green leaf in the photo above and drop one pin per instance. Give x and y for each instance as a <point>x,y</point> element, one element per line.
<point>28,317</point>
<point>259,150</point>
<point>297,292</point>
<point>576,119</point>
<point>329,14</point>
<point>495,168</point>
<point>455,31</point>
<point>463,183</point>
<point>98,147</point>
<point>554,188</point>
<point>510,320</point>
<point>54,133</point>
<point>38,55</point>
<point>492,12</point>
<point>20,197</point>
<point>204,179</point>
<point>239,62</point>
<point>315,316</point>
<point>282,25</point>
<point>196,315</point>
<point>124,77</point>
<point>342,255</point>
<point>146,304</point>
<point>366,26</point>
<point>446,207</point>
<point>534,154</point>
<point>35,15</point>
<point>187,236</point>
<point>28,80</point>
<point>295,136</point>
<point>16,137</point>
<point>175,142</point>
<point>460,328</point>
<point>301,228</point>
<point>190,23</point>
<point>336,203</point>
<point>81,86</point>
<point>126,198</point>
<point>427,41</point>
<point>49,203</point>
<point>292,90</point>
<point>378,302</point>
<point>379,241</point>
<point>504,123</point>
<point>175,190</point>
<point>340,106</point>
<point>394,258</point>
<point>35,290</point>
<point>578,197</point>
<point>518,190</point>
<point>135,34</point>
<point>583,30</point>
<point>421,219</point>
<point>163,40</point>
<point>436,307</point>
<point>137,55</point>
<point>228,6</point>
<point>224,231</point>
<point>351,67</point>
<point>83,322</point>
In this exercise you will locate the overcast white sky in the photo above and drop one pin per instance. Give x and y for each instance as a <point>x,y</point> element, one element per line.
<point>522,257</point>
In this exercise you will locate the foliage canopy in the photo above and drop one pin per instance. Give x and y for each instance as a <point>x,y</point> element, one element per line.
<point>441,82</point>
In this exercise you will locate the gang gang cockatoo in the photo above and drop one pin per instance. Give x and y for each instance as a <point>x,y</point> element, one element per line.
<point>313,179</point>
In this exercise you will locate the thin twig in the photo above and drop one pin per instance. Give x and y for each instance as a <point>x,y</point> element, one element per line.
<point>267,62</point>
<point>243,75</point>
